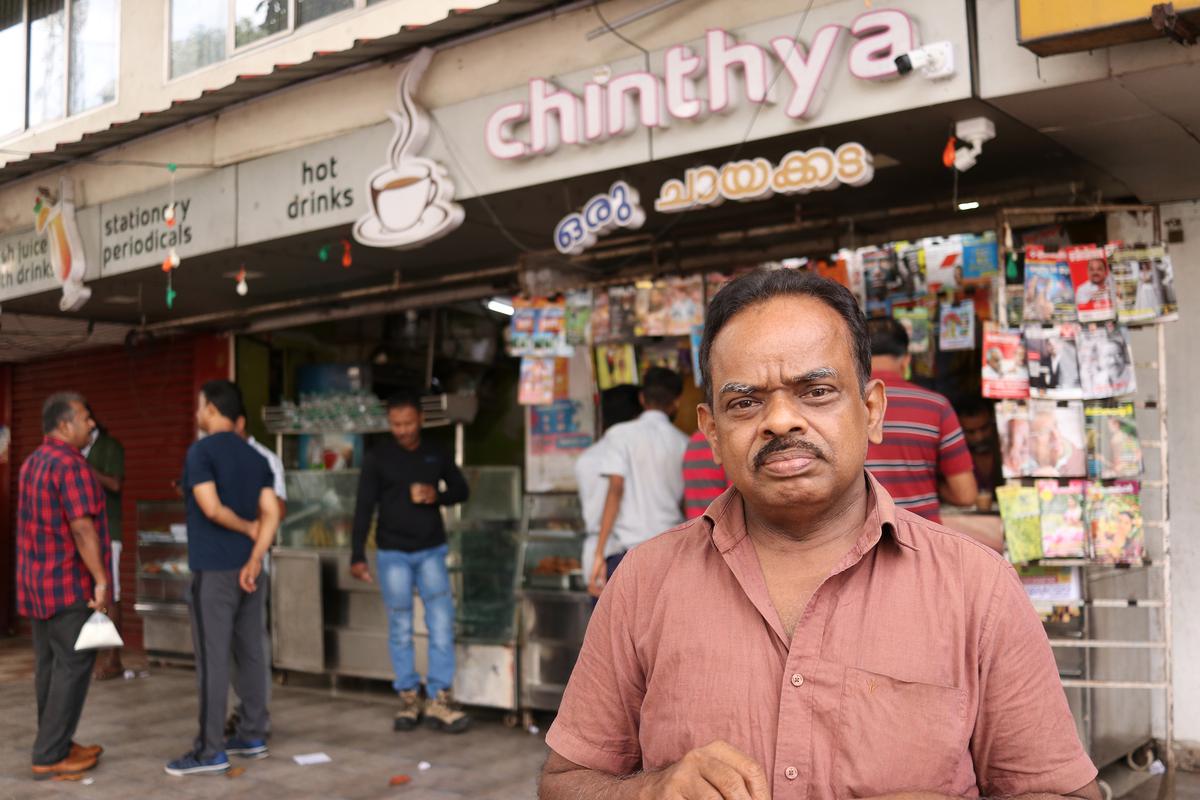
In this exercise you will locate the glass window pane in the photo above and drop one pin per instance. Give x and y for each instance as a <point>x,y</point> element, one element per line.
<point>12,66</point>
<point>47,60</point>
<point>198,31</point>
<point>93,54</point>
<point>308,10</point>
<point>257,19</point>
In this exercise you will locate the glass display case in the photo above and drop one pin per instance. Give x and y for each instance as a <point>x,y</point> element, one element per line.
<point>163,577</point>
<point>320,508</point>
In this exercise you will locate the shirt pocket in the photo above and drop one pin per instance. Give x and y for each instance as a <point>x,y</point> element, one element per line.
<point>896,735</point>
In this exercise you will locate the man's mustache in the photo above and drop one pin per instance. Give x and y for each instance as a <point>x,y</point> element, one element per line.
<point>782,444</point>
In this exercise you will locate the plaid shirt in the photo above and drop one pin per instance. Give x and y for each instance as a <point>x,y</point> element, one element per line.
<point>56,486</point>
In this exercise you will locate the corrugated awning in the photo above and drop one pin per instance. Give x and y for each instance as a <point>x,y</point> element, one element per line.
<point>245,87</point>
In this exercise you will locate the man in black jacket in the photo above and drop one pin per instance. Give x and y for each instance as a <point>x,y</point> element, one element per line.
<point>401,477</point>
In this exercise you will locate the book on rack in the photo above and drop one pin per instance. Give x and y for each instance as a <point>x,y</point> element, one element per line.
<point>651,308</point>
<point>1049,293</point>
<point>880,277</point>
<point>622,313</point>
<point>1095,298</point>
<point>1113,447</point>
<point>1105,361</point>
<point>601,319</point>
<point>578,320</point>
<point>685,304</point>
<point>1057,441</point>
<point>550,332</point>
<point>1055,592</point>
<point>1137,284</point>
<point>1114,515</point>
<point>1022,519</point>
<point>1012,422</point>
<point>1064,530</point>
<point>910,269</point>
<point>1053,357</point>
<point>956,330</point>
<point>1005,373</point>
<point>521,327</point>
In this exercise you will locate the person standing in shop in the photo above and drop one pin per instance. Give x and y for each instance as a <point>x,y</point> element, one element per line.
<point>106,457</point>
<point>62,554</point>
<point>280,487</point>
<point>232,517</point>
<point>703,478</point>
<point>400,477</point>
<point>978,419</point>
<point>923,457</point>
<point>618,404</point>
<point>644,467</point>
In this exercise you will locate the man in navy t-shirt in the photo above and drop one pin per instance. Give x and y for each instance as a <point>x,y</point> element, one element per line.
<point>232,516</point>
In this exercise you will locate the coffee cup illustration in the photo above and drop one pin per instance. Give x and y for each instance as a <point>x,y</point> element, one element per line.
<point>412,198</point>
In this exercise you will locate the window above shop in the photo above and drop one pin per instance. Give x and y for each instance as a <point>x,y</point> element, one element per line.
<point>207,33</point>
<point>59,58</point>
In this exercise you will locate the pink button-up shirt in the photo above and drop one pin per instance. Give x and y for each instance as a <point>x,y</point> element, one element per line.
<point>919,664</point>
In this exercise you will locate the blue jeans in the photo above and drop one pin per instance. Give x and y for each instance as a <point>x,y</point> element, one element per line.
<point>398,571</point>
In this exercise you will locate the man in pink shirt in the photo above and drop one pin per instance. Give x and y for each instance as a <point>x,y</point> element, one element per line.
<point>806,638</point>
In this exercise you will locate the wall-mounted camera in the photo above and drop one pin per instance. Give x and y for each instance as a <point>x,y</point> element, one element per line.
<point>975,131</point>
<point>934,61</point>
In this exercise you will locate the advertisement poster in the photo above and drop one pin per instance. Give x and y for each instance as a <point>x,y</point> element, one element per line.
<point>616,365</point>
<point>557,433</point>
<point>956,330</point>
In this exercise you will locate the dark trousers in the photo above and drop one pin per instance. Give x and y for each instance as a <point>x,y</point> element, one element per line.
<point>61,678</point>
<point>612,562</point>
<point>227,622</point>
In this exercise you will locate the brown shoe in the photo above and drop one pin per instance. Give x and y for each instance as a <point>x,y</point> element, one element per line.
<point>85,751</point>
<point>443,714</point>
<point>68,766</point>
<point>410,711</point>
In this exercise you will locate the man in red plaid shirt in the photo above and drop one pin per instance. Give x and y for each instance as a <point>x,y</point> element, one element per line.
<point>62,550</point>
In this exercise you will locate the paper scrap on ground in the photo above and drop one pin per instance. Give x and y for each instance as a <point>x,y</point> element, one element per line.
<point>424,765</point>
<point>309,759</point>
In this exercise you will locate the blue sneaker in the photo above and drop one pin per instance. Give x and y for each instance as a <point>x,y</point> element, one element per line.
<point>246,748</point>
<point>189,764</point>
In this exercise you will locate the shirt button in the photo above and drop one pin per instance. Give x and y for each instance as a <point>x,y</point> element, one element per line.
<point>797,679</point>
<point>791,773</point>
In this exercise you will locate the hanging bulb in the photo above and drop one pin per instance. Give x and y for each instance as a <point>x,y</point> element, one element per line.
<point>323,253</point>
<point>242,286</point>
<point>169,216</point>
<point>346,258</point>
<point>949,152</point>
<point>166,265</point>
<point>173,257</point>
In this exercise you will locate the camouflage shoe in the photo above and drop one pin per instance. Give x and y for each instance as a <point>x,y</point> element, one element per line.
<point>410,711</point>
<point>443,714</point>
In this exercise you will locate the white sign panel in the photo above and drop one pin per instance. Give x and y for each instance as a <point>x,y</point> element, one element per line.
<point>308,189</point>
<point>25,263</point>
<point>134,233</point>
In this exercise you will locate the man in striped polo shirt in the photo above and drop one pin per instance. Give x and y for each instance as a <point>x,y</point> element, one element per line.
<point>703,478</point>
<point>923,457</point>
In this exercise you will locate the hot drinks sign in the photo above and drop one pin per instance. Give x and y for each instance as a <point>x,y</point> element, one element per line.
<point>693,84</point>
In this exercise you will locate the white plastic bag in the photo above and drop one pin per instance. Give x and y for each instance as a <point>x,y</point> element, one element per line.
<point>98,632</point>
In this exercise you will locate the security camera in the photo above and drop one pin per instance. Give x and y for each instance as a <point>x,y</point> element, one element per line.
<point>935,61</point>
<point>975,131</point>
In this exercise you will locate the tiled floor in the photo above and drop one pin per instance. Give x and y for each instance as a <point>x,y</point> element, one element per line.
<point>143,723</point>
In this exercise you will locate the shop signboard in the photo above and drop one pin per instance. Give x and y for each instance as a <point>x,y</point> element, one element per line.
<point>311,188</point>
<point>134,233</point>
<point>619,207</point>
<point>831,64</point>
<point>26,259</point>
<point>54,219</point>
<point>1052,27</point>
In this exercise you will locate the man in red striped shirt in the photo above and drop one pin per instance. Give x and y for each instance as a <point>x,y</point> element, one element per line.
<point>923,456</point>
<point>703,478</point>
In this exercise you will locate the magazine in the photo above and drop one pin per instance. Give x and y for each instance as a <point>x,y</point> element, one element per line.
<point>651,308</point>
<point>1049,585</point>
<point>622,313</point>
<point>670,353</point>
<point>1166,280</point>
<point>854,271</point>
<point>910,266</point>
<point>916,323</point>
<point>1105,361</point>
<point>1136,282</point>
<point>1014,305</point>
<point>1005,373</point>
<point>1022,522</point>
<point>543,380</point>
<point>1052,355</point>
<point>1012,422</point>
<point>1057,442</point>
<point>1064,533</point>
<point>1115,516</point>
<point>601,328</point>
<point>1049,294</point>
<point>880,276</point>
<point>1113,447</point>
<point>550,332</point>
<point>980,256</point>
<point>1094,295</point>
<point>685,305</point>
<point>616,365</point>
<point>943,262</point>
<point>956,330</point>
<point>522,327</point>
<point>578,320</point>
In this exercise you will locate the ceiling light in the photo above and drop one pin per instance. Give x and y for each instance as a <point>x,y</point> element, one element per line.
<point>968,206</point>
<point>500,306</point>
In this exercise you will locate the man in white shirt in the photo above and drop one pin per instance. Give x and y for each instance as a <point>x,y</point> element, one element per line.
<point>645,475</point>
<point>618,404</point>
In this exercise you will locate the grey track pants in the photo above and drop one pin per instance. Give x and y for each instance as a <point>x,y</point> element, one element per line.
<point>227,623</point>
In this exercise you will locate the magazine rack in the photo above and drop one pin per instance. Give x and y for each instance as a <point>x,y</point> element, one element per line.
<point>1124,617</point>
